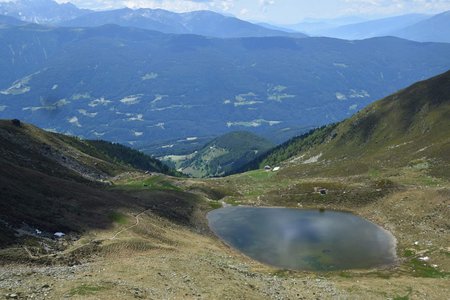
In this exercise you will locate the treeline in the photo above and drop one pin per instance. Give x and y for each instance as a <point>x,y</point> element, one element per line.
<point>134,158</point>
<point>291,148</point>
<point>242,141</point>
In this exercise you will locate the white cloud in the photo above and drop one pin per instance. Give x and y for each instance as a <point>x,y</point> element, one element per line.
<point>177,5</point>
<point>172,5</point>
<point>243,12</point>
<point>264,4</point>
<point>388,7</point>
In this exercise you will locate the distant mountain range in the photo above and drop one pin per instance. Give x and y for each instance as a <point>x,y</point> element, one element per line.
<point>143,87</point>
<point>315,26</point>
<point>416,27</point>
<point>205,23</point>
<point>373,28</point>
<point>434,29</point>
<point>170,90</point>
<point>41,11</point>
<point>5,20</point>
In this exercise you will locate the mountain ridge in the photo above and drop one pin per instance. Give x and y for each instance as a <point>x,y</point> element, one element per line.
<point>206,23</point>
<point>11,21</point>
<point>415,27</point>
<point>41,11</point>
<point>374,28</point>
<point>436,28</point>
<point>75,80</point>
<point>408,127</point>
<point>92,160</point>
<point>224,155</point>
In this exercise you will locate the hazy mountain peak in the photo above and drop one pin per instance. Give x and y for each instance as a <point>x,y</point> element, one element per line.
<point>41,11</point>
<point>433,29</point>
<point>207,23</point>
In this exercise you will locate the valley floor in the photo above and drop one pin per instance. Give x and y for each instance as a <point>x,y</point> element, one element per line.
<point>149,257</point>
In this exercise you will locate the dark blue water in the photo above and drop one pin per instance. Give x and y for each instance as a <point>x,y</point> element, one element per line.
<point>304,239</point>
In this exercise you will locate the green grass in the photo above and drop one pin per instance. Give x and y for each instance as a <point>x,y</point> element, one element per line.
<point>374,173</point>
<point>422,269</point>
<point>118,217</point>
<point>232,202</point>
<point>215,204</point>
<point>251,184</point>
<point>260,174</point>
<point>150,183</point>
<point>345,275</point>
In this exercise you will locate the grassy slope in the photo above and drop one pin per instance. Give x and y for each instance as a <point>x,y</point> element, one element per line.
<point>409,127</point>
<point>51,182</point>
<point>97,156</point>
<point>290,148</point>
<point>118,154</point>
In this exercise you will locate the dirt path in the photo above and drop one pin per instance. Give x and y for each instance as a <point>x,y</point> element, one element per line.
<point>128,228</point>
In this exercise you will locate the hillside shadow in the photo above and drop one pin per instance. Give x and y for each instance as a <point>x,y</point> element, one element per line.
<point>50,204</point>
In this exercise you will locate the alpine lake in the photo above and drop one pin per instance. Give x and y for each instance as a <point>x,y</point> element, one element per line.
<point>309,240</point>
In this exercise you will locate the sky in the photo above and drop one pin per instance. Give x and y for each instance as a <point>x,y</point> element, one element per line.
<point>281,11</point>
